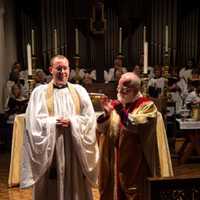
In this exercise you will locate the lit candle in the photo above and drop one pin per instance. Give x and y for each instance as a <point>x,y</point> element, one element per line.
<point>120,40</point>
<point>55,42</point>
<point>29,59</point>
<point>33,41</point>
<point>166,38</point>
<point>145,34</point>
<point>145,57</point>
<point>76,42</point>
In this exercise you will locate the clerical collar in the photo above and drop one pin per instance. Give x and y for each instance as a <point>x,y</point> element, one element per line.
<point>60,86</point>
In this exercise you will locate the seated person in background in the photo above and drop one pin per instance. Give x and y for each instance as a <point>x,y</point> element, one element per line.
<point>186,72</point>
<point>156,85</point>
<point>77,72</point>
<point>40,77</point>
<point>110,75</point>
<point>14,78</point>
<point>23,73</point>
<point>137,70</point>
<point>16,104</point>
<point>183,86</point>
<point>174,91</point>
<point>23,77</point>
<point>193,94</point>
<point>89,77</point>
<point>150,72</point>
<point>76,75</point>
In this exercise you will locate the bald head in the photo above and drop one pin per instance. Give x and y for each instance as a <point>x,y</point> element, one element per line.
<point>130,80</point>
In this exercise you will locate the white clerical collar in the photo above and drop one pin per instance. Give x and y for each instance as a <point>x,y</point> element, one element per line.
<point>59,86</point>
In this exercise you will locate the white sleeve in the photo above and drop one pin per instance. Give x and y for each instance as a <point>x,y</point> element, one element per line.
<point>39,139</point>
<point>83,128</point>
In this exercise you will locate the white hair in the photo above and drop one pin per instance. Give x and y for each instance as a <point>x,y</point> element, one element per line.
<point>130,79</point>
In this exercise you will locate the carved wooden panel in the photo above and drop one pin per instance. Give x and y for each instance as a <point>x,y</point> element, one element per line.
<point>187,188</point>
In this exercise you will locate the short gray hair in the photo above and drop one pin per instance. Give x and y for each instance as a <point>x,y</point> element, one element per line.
<point>57,57</point>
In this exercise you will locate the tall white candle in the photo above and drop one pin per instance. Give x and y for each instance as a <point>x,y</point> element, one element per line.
<point>33,41</point>
<point>76,42</point>
<point>144,34</point>
<point>145,57</point>
<point>29,59</point>
<point>120,40</point>
<point>55,42</point>
<point>166,38</point>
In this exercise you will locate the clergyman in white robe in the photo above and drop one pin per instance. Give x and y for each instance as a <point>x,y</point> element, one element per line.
<point>73,150</point>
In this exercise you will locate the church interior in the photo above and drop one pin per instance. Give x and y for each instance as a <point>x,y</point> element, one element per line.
<point>159,40</point>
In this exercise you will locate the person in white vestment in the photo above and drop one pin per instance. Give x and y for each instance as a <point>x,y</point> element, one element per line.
<point>60,151</point>
<point>157,84</point>
<point>186,72</point>
<point>111,75</point>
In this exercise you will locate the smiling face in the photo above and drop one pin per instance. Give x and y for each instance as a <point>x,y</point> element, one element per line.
<point>60,70</point>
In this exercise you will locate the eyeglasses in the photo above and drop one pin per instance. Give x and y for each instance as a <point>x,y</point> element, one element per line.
<point>59,68</point>
<point>124,89</point>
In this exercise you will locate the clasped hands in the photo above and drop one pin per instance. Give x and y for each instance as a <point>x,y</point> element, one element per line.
<point>63,122</point>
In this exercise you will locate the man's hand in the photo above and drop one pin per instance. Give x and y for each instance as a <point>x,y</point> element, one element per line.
<point>63,122</point>
<point>106,104</point>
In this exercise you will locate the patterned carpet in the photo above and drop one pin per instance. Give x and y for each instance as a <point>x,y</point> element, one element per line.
<point>15,193</point>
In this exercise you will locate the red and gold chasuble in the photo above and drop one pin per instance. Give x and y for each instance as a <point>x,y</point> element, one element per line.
<point>134,148</point>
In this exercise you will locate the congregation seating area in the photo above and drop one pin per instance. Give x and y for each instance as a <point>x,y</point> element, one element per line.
<point>109,89</point>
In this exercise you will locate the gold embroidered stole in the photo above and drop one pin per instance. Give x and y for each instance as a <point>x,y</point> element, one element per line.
<point>50,99</point>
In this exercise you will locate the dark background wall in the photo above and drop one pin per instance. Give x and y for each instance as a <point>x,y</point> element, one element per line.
<point>99,50</point>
